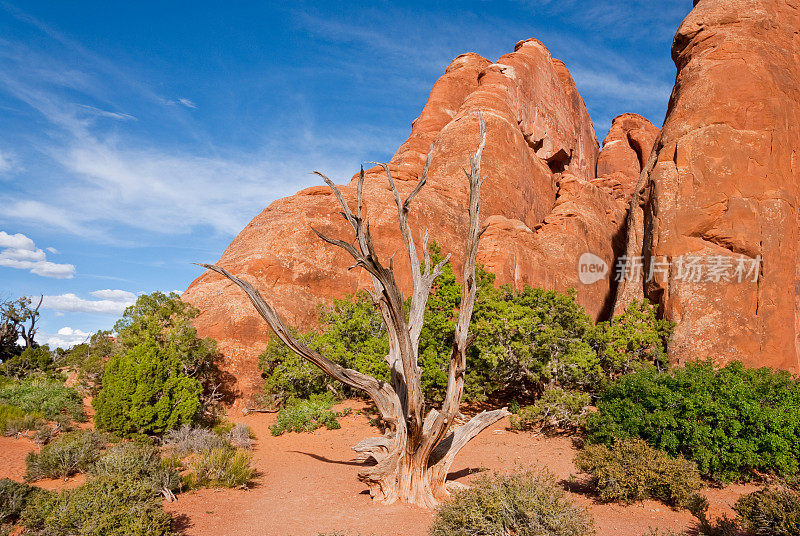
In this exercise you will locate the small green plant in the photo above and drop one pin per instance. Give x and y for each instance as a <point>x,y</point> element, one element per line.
<point>9,413</point>
<point>223,427</point>
<point>773,512</point>
<point>225,467</point>
<point>44,434</point>
<point>49,398</point>
<point>107,506</point>
<point>632,471</point>
<point>66,455</point>
<point>733,421</point>
<point>308,415</point>
<point>556,411</point>
<point>13,498</point>
<point>141,463</point>
<point>14,421</point>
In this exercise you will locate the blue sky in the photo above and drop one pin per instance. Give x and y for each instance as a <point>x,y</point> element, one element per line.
<point>139,137</point>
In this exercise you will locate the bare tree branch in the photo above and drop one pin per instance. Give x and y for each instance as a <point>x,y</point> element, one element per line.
<point>380,392</point>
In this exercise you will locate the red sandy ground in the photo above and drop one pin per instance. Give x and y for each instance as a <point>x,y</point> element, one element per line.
<point>307,485</point>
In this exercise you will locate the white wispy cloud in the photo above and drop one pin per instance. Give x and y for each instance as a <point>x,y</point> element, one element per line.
<point>67,337</point>
<point>6,162</point>
<point>111,180</point>
<point>119,116</point>
<point>111,302</point>
<point>115,295</point>
<point>51,215</point>
<point>20,252</point>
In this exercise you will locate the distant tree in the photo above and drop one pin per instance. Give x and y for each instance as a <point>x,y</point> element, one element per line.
<point>155,381</point>
<point>17,322</point>
<point>89,359</point>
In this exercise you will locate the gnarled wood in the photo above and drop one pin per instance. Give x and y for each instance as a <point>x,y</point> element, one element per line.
<point>412,459</point>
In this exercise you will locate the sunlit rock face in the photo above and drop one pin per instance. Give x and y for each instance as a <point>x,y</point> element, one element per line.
<point>542,200</point>
<point>722,183</point>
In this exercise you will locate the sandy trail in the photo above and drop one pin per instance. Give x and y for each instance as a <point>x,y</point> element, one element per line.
<point>308,486</point>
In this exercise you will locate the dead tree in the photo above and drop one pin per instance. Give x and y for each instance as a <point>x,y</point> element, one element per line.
<point>414,456</point>
<point>14,315</point>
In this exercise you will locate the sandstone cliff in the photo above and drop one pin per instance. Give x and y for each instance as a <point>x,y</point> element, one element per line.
<point>543,201</point>
<point>722,183</point>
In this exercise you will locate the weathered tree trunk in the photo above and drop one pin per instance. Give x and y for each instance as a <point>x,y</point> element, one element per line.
<point>414,456</point>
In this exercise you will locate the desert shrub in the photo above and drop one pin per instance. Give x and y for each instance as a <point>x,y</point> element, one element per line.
<point>224,467</point>
<point>240,436</point>
<point>770,512</point>
<point>634,337</point>
<point>138,462</point>
<point>14,420</point>
<point>156,381</point>
<point>307,415</point>
<point>107,506</point>
<point>9,413</point>
<point>30,360</point>
<point>23,425</point>
<point>49,398</point>
<point>145,392</point>
<point>556,411</point>
<point>66,455</point>
<point>732,421</point>
<point>187,440</point>
<point>44,434</point>
<point>350,333</point>
<point>532,338</point>
<point>525,340</point>
<point>529,504</point>
<point>632,471</point>
<point>13,498</point>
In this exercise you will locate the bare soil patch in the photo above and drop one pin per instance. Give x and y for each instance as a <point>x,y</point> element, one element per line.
<point>308,486</point>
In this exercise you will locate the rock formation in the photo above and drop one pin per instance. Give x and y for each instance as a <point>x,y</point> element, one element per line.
<point>542,201</point>
<point>721,188</point>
